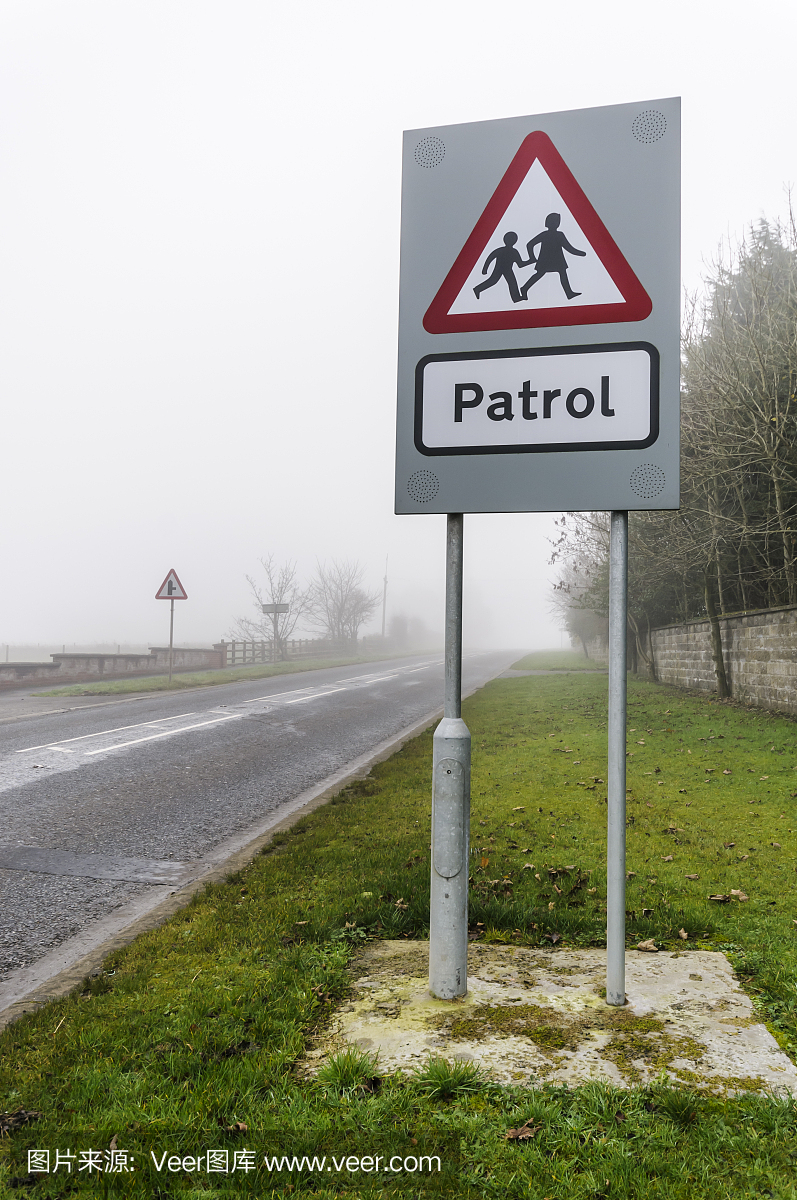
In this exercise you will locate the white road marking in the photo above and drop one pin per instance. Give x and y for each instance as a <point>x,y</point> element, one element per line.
<point>277,696</point>
<point>102,732</point>
<point>315,696</point>
<point>153,736</point>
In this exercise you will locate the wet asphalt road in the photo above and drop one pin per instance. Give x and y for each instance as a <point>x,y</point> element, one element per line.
<point>101,805</point>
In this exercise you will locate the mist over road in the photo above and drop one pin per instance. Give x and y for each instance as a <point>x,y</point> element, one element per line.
<point>105,807</point>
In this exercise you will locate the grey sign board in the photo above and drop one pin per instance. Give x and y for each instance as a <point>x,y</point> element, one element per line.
<point>539,355</point>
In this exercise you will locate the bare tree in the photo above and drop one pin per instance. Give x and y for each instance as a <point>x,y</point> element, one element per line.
<point>338,604</point>
<point>281,586</point>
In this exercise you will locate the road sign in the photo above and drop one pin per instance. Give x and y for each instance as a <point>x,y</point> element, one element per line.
<point>275,608</point>
<point>579,275</point>
<point>171,589</point>
<point>539,317</point>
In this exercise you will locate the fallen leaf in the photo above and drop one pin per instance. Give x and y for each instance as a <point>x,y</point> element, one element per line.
<point>16,1119</point>
<point>666,858</point>
<point>719,899</point>
<point>648,946</point>
<point>763,777</point>
<point>523,1132</point>
<point>647,912</point>
<point>113,1142</point>
<point>681,791</point>
<point>519,808</point>
<point>528,866</point>
<point>485,862</point>
<point>775,844</point>
<point>729,845</point>
<point>648,804</point>
<point>301,922</point>
<point>726,772</point>
<point>739,895</point>
<point>692,877</point>
<point>742,857</point>
<point>628,875</point>
<point>683,935</point>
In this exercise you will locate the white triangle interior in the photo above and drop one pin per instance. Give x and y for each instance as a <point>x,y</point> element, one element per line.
<point>534,200</point>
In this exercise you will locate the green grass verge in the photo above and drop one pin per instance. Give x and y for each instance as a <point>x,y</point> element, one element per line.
<point>556,660</point>
<point>193,679</point>
<point>192,1032</point>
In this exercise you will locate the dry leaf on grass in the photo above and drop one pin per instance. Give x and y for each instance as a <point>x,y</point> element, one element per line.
<point>729,845</point>
<point>683,935</point>
<point>739,895</point>
<point>523,1132</point>
<point>691,877</point>
<point>648,946</point>
<point>720,898</point>
<point>666,858</point>
<point>519,808</point>
<point>775,844</point>
<point>10,1121</point>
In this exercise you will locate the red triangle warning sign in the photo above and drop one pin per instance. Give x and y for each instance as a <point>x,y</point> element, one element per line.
<point>539,256</point>
<point>171,588</point>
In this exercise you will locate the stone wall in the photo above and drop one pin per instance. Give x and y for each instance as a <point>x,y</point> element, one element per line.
<point>88,668</point>
<point>759,649</point>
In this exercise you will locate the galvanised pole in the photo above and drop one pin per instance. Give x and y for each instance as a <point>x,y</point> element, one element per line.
<point>615,848</point>
<point>448,922</point>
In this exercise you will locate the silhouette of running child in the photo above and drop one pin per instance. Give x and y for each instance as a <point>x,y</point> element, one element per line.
<point>551,257</point>
<point>505,258</point>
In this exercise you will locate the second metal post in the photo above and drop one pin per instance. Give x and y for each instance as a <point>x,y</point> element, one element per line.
<point>448,919</point>
<point>615,847</point>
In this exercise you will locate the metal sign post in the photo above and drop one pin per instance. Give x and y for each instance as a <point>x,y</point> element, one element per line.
<point>615,845</point>
<point>171,638</point>
<point>539,371</point>
<point>171,589</point>
<point>448,918</point>
<point>274,610</point>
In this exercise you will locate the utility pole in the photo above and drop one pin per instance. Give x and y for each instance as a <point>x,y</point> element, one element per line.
<point>384,599</point>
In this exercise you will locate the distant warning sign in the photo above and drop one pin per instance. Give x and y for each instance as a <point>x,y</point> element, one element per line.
<point>539,256</point>
<point>171,589</point>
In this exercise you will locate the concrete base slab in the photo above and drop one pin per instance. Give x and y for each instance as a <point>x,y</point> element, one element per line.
<point>533,1016</point>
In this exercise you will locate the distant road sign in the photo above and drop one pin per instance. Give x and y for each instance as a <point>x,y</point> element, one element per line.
<point>272,609</point>
<point>171,589</point>
<point>539,363</point>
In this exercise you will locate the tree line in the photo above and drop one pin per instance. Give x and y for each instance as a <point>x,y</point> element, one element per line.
<point>334,604</point>
<point>731,546</point>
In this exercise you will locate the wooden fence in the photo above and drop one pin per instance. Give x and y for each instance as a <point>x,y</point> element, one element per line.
<point>240,654</point>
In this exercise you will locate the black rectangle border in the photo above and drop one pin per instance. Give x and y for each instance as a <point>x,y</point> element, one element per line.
<point>554,448</point>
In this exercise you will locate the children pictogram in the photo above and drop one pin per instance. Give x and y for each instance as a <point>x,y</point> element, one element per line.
<point>575,273</point>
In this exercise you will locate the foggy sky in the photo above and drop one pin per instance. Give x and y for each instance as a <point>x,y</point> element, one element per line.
<point>199,225</point>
